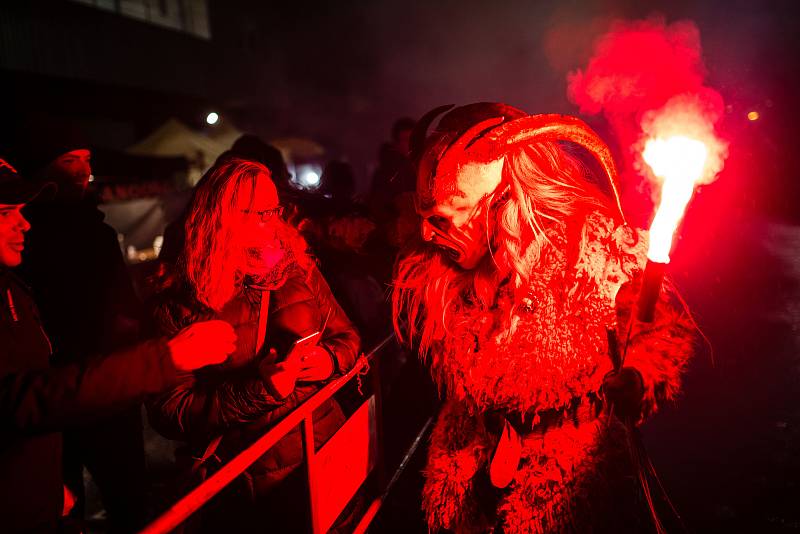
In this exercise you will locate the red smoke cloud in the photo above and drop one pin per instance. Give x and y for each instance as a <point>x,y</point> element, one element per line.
<point>639,66</point>
<point>647,73</point>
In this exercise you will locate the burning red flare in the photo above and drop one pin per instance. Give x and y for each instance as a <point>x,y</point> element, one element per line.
<point>681,150</point>
<point>679,161</point>
<point>647,78</point>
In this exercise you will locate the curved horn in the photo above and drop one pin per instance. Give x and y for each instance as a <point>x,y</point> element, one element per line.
<point>420,131</point>
<point>455,151</point>
<point>549,127</point>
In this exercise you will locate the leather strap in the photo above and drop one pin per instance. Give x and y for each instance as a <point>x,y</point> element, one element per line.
<point>261,332</point>
<point>506,457</point>
<point>263,315</point>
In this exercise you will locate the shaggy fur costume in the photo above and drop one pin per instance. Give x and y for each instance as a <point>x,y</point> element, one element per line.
<point>538,356</point>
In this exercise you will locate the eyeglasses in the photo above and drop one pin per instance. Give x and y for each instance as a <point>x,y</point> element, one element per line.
<point>265,215</point>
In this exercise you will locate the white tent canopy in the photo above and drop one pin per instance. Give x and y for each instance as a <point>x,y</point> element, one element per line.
<point>174,138</point>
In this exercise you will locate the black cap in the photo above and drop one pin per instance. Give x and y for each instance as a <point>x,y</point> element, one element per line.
<point>40,139</point>
<point>15,190</point>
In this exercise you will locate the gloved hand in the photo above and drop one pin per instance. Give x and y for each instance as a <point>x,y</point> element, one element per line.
<point>200,344</point>
<point>623,392</point>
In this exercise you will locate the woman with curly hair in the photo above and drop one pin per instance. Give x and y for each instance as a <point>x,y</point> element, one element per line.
<point>242,262</point>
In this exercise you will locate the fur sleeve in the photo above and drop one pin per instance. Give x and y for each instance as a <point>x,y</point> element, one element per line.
<point>459,450</point>
<point>659,350</point>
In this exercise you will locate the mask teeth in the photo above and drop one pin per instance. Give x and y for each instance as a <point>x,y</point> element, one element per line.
<point>451,253</point>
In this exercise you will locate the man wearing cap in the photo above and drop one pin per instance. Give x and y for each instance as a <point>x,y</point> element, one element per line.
<point>37,399</point>
<point>74,265</point>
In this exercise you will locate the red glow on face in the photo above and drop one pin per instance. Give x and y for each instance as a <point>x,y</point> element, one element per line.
<point>455,218</point>
<point>256,228</point>
<point>12,234</point>
<point>73,168</point>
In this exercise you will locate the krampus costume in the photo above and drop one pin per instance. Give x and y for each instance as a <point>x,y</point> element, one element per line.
<point>526,267</point>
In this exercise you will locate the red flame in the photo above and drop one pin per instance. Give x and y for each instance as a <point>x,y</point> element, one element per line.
<point>681,151</point>
<point>679,161</point>
<point>647,78</point>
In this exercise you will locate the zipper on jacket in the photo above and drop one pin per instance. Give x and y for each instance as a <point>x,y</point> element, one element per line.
<point>47,339</point>
<point>11,308</point>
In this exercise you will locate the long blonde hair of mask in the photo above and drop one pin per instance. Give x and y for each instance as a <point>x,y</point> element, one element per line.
<point>546,187</point>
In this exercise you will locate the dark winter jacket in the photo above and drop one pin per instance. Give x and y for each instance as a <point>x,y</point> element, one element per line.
<point>38,400</point>
<point>74,265</point>
<point>232,400</point>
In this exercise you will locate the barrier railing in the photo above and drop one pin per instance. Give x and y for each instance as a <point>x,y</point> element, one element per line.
<point>320,514</point>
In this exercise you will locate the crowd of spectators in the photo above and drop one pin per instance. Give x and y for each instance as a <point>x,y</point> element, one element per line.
<point>253,265</point>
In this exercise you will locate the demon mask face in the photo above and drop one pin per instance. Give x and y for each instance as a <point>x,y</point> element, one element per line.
<point>460,175</point>
<point>455,211</point>
<point>455,189</point>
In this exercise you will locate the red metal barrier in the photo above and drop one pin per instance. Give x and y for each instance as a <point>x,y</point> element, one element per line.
<point>322,512</point>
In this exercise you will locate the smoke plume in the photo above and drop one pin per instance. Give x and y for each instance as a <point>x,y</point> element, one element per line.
<point>647,78</point>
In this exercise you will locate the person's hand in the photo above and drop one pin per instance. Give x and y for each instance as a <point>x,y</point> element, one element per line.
<point>624,391</point>
<point>314,363</point>
<point>201,344</point>
<point>280,378</point>
<point>69,502</point>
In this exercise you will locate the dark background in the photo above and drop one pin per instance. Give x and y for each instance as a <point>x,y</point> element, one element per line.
<point>342,72</point>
